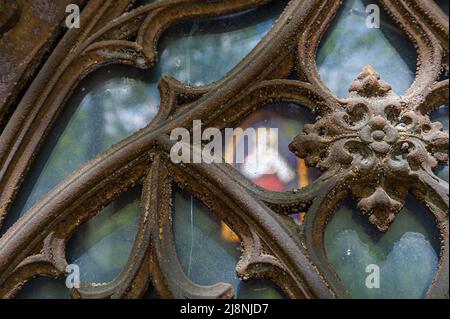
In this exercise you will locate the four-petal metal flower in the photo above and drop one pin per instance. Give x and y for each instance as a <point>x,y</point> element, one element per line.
<point>380,143</point>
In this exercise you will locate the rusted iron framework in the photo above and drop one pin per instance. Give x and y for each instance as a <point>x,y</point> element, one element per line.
<point>374,145</point>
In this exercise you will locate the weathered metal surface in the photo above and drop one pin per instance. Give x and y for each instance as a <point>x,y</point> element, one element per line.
<point>28,30</point>
<point>379,143</point>
<point>273,245</point>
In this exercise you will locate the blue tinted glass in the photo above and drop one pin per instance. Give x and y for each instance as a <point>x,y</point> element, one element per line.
<point>407,254</point>
<point>107,107</point>
<point>101,246</point>
<point>203,51</point>
<point>349,44</point>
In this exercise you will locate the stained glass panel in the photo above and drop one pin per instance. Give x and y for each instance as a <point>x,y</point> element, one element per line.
<point>407,254</point>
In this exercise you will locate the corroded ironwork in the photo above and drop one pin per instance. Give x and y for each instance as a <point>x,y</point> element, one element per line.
<point>27,32</point>
<point>372,131</point>
<point>381,145</point>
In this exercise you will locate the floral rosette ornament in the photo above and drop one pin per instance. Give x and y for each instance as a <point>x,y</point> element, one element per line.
<point>379,144</point>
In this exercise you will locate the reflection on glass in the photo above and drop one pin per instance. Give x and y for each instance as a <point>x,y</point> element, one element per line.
<point>44,288</point>
<point>273,166</point>
<point>107,107</point>
<point>203,51</point>
<point>101,246</point>
<point>441,115</point>
<point>407,254</point>
<point>206,252</point>
<point>349,44</point>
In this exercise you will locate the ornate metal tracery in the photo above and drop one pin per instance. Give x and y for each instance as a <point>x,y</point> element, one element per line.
<point>374,145</point>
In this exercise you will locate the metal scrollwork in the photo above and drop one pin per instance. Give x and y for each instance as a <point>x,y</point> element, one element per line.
<point>380,144</point>
<point>374,145</point>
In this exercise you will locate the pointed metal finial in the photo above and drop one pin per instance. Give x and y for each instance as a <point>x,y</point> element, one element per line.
<point>368,83</point>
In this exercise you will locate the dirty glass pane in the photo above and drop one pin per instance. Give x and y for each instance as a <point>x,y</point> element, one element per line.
<point>203,51</point>
<point>105,108</point>
<point>209,250</point>
<point>274,168</point>
<point>407,254</point>
<point>349,44</point>
<point>116,101</point>
<point>101,246</point>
